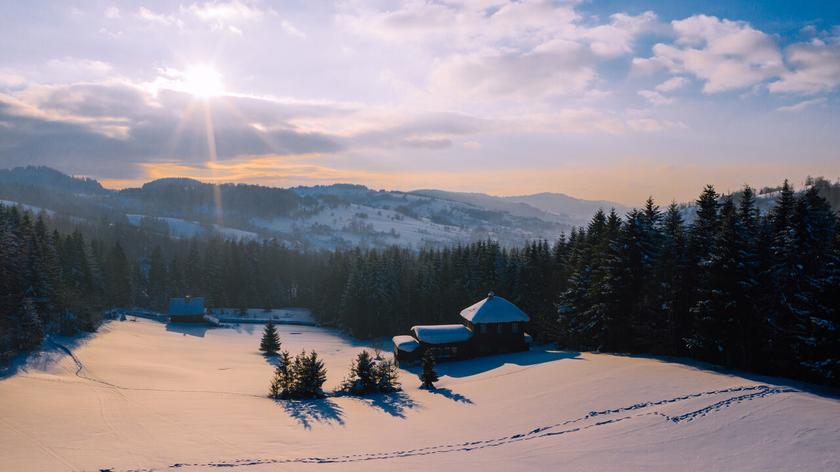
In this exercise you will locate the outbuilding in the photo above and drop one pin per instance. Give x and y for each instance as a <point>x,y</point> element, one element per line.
<point>186,310</point>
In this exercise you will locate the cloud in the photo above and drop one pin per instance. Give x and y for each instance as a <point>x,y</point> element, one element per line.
<point>672,84</point>
<point>558,67</point>
<point>725,55</point>
<point>815,67</point>
<point>222,12</point>
<point>655,97</point>
<point>803,105</point>
<point>113,123</point>
<point>486,50</point>
<point>617,37</point>
<point>292,30</point>
<point>112,12</point>
<point>150,16</point>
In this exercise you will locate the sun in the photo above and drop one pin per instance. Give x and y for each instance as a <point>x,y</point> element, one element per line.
<point>203,81</point>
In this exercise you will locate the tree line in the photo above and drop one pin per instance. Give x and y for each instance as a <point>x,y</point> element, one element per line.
<point>732,285</point>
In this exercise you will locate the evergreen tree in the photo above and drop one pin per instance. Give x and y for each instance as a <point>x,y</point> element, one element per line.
<point>361,379</point>
<point>386,376</point>
<point>672,277</point>
<point>282,382</point>
<point>158,280</point>
<point>428,375</point>
<point>270,342</point>
<point>309,375</point>
<point>118,276</point>
<point>31,331</point>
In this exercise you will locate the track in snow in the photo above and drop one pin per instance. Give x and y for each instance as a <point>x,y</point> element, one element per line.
<point>80,367</point>
<point>610,416</point>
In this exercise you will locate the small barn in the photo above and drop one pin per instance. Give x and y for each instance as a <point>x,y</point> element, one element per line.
<point>491,326</point>
<point>186,310</point>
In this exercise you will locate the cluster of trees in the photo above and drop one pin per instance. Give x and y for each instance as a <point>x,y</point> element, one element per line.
<point>304,376</point>
<point>722,281</point>
<point>49,282</point>
<point>301,377</point>
<point>371,374</point>
<point>733,286</point>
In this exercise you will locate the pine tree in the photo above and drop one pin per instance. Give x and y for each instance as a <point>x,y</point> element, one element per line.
<point>158,280</point>
<point>118,275</point>
<point>31,332</point>
<point>428,376</point>
<point>309,375</point>
<point>672,275</point>
<point>386,376</point>
<point>270,342</point>
<point>283,381</point>
<point>361,379</point>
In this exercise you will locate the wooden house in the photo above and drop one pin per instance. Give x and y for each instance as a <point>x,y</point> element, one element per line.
<point>186,310</point>
<point>490,326</point>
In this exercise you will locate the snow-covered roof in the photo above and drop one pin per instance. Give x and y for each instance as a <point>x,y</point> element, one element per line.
<point>405,343</point>
<point>442,334</point>
<point>493,309</point>
<point>188,306</point>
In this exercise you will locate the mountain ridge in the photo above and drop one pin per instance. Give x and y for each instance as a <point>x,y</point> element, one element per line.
<point>322,216</point>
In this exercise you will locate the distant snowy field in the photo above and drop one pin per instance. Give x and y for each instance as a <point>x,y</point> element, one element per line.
<point>144,396</point>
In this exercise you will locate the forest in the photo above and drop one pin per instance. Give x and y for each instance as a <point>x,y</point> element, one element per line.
<point>730,285</point>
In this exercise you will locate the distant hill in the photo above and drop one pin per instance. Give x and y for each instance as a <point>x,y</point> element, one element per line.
<point>48,177</point>
<point>546,206</point>
<point>323,216</point>
<point>561,204</point>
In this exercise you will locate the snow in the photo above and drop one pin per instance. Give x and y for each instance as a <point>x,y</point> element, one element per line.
<point>34,209</point>
<point>146,396</point>
<point>300,316</point>
<point>494,309</point>
<point>405,343</point>
<point>186,229</point>
<point>441,334</point>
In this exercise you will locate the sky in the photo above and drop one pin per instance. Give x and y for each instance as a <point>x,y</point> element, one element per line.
<point>610,99</point>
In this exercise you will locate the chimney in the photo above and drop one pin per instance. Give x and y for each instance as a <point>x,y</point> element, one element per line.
<point>490,295</point>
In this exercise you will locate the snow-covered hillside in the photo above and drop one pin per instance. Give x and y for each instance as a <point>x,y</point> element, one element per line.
<point>145,396</point>
<point>181,228</point>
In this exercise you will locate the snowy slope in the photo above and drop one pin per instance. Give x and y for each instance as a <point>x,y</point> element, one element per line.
<point>186,229</point>
<point>144,396</point>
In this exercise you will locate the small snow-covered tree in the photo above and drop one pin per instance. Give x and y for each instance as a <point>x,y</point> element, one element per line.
<point>309,375</point>
<point>270,342</point>
<point>428,376</point>
<point>371,374</point>
<point>282,381</point>
<point>386,376</point>
<point>361,379</point>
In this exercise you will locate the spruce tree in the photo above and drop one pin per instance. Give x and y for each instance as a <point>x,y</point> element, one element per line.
<point>31,331</point>
<point>309,375</point>
<point>270,342</point>
<point>428,376</point>
<point>282,381</point>
<point>386,376</point>
<point>361,379</point>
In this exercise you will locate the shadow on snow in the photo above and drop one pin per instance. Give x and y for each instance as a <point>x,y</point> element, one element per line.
<point>445,392</point>
<point>308,411</point>
<point>188,329</point>
<point>478,365</point>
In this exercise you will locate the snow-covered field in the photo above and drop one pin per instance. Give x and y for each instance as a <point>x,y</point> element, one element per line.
<point>142,395</point>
